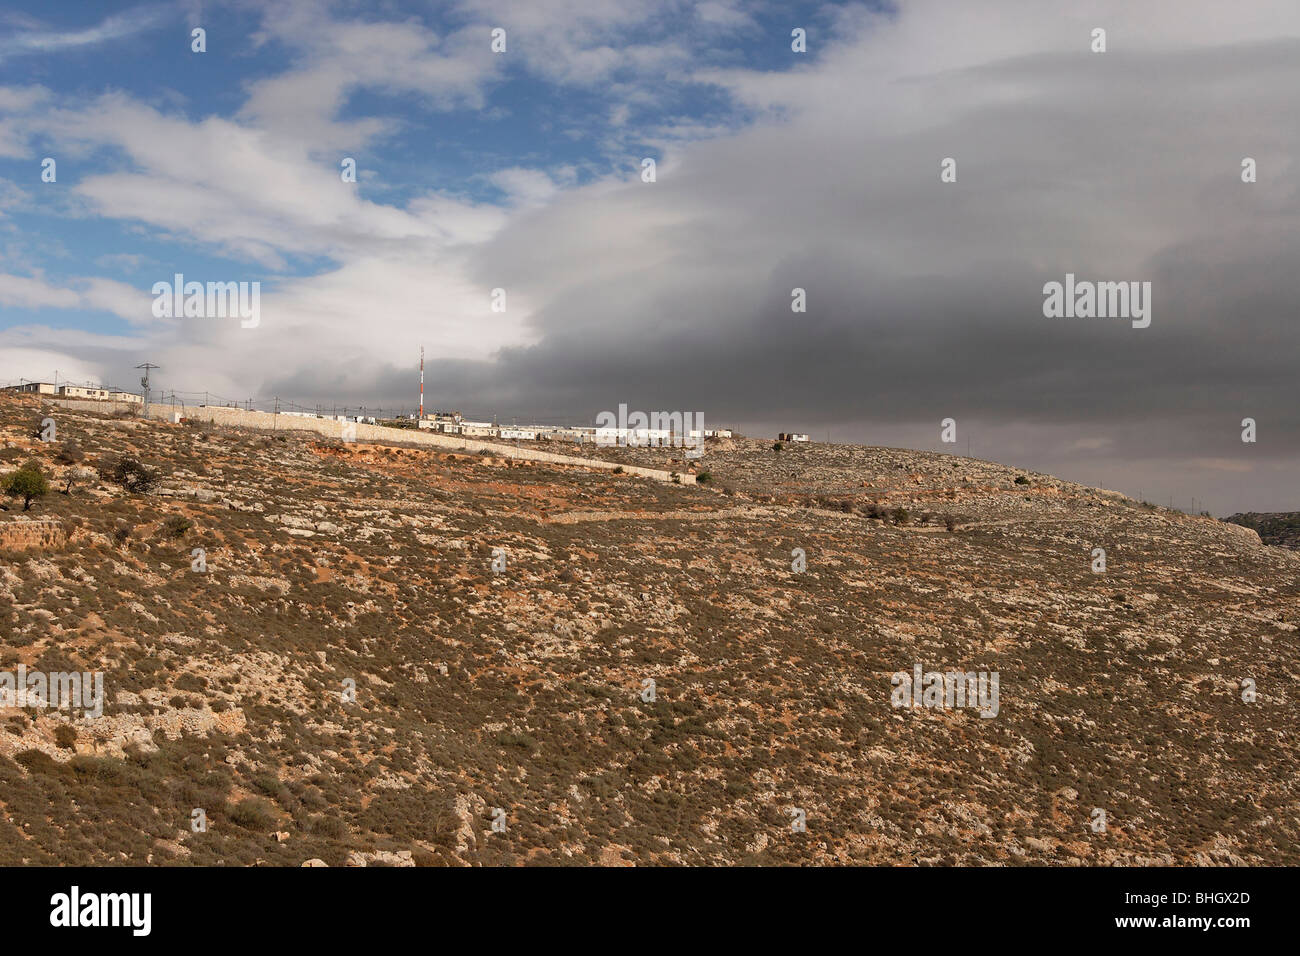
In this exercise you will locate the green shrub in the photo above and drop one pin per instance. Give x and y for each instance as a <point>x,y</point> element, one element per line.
<point>177,525</point>
<point>37,761</point>
<point>268,783</point>
<point>331,828</point>
<point>27,483</point>
<point>253,814</point>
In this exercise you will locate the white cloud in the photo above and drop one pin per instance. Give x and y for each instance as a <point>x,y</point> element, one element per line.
<point>335,57</point>
<point>114,27</point>
<point>31,293</point>
<point>524,187</point>
<point>95,293</point>
<point>42,364</point>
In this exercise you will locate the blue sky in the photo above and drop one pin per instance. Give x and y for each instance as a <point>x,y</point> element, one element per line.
<point>575,125</point>
<point>776,170</point>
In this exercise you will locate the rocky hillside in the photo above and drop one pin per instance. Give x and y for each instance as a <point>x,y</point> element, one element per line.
<point>1279,528</point>
<point>350,681</point>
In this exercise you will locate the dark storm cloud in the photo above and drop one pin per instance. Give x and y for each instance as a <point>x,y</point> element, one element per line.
<point>925,299</point>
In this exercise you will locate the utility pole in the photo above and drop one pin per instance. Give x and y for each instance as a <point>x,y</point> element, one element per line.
<point>144,380</point>
<point>421,382</point>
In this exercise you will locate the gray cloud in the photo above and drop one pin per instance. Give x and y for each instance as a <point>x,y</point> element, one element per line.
<point>924,299</point>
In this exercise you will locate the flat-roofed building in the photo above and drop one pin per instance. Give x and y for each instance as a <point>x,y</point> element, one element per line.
<point>566,433</point>
<point>84,391</point>
<point>39,388</point>
<point>441,422</point>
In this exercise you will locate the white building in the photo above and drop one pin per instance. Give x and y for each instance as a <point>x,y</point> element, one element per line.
<point>83,391</point>
<point>441,422</point>
<point>40,388</point>
<point>636,437</point>
<point>99,393</point>
<point>526,434</point>
<point>564,433</point>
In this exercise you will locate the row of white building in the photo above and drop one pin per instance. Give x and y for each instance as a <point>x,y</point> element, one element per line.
<point>453,423</point>
<point>94,392</point>
<point>359,419</point>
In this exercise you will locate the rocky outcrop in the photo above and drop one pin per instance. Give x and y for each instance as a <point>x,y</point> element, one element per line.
<point>22,533</point>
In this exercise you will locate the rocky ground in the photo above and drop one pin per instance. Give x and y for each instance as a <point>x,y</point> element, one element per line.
<point>1279,528</point>
<point>333,566</point>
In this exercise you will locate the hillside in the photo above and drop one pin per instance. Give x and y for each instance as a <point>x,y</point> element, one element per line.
<point>330,562</point>
<point>1279,528</point>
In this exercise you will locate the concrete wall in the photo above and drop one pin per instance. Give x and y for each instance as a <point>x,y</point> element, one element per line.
<point>239,418</point>
<point>91,405</point>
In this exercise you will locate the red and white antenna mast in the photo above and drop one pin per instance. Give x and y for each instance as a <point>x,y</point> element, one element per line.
<point>421,382</point>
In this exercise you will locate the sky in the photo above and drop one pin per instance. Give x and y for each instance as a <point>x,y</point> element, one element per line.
<point>775,169</point>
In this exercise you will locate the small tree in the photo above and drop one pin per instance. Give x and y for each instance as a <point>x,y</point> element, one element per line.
<point>130,473</point>
<point>27,483</point>
<point>777,447</point>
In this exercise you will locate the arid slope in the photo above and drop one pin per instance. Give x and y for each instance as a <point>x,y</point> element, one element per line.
<point>329,564</point>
